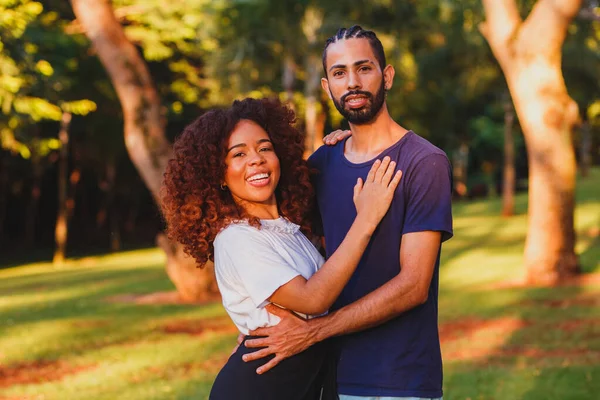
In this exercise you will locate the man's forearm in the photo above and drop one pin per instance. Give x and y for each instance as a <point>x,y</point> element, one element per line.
<point>379,306</point>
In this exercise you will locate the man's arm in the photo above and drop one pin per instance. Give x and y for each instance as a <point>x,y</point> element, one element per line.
<point>418,254</point>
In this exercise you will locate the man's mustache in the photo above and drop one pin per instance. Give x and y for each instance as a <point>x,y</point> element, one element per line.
<point>354,93</point>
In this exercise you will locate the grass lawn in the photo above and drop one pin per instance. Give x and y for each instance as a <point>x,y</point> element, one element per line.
<point>68,334</point>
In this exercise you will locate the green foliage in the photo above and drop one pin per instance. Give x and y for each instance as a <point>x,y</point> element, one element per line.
<point>79,107</point>
<point>36,61</point>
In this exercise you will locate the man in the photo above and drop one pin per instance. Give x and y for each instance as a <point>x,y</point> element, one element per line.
<point>386,317</point>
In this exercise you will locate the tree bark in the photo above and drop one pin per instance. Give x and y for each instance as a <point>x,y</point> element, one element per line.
<point>111,209</point>
<point>144,128</point>
<point>62,220</point>
<point>529,53</point>
<point>509,175</point>
<point>585,149</point>
<point>3,191</point>
<point>288,78</point>
<point>311,89</point>
<point>36,191</point>
<point>460,169</point>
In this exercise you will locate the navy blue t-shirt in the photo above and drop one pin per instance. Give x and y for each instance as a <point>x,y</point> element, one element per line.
<point>400,357</point>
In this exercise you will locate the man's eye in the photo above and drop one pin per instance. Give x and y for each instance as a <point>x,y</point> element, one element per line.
<point>365,69</point>
<point>338,73</point>
<point>238,154</point>
<point>266,149</point>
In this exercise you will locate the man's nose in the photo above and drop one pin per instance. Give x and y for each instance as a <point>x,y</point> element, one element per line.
<point>353,80</point>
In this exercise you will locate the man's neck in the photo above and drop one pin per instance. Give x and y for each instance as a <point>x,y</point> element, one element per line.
<point>369,140</point>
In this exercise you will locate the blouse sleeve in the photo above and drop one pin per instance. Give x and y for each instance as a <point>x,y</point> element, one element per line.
<point>243,253</point>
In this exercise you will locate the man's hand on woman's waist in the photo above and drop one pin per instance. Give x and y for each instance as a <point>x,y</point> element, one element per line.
<point>292,335</point>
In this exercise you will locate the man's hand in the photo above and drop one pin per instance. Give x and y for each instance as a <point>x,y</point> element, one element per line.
<point>291,336</point>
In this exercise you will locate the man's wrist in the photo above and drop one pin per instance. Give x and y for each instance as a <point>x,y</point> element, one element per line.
<point>319,329</point>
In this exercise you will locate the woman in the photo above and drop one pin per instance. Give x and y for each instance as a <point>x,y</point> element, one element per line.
<point>237,191</point>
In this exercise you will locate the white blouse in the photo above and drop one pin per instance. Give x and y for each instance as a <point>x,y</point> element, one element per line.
<point>251,264</point>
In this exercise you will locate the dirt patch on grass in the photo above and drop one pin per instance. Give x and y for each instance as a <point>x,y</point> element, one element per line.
<point>38,372</point>
<point>159,298</point>
<point>88,324</point>
<point>473,339</point>
<point>578,301</point>
<point>588,279</point>
<point>470,327</point>
<point>199,327</point>
<point>578,325</point>
<point>178,371</point>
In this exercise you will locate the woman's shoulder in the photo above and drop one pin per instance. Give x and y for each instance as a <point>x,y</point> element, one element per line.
<point>238,234</point>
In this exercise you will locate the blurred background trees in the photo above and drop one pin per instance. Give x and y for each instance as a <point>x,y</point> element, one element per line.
<point>131,74</point>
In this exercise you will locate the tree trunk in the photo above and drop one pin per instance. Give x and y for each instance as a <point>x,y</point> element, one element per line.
<point>320,125</point>
<point>529,53</point>
<point>509,175</point>
<point>461,164</point>
<point>107,214</point>
<point>36,191</point>
<point>585,149</point>
<point>144,130</point>
<point>311,90</point>
<point>311,23</point>
<point>62,220</point>
<point>3,191</point>
<point>113,216</point>
<point>288,78</point>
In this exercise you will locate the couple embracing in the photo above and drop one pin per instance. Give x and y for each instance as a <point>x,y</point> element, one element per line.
<point>361,323</point>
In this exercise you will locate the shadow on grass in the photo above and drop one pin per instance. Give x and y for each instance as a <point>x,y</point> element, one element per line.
<point>524,343</point>
<point>68,311</point>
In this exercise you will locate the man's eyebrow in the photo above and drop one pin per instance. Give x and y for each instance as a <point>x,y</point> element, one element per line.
<point>244,144</point>
<point>356,64</point>
<point>361,62</point>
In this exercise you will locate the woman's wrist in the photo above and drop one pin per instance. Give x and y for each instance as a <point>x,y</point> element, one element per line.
<point>363,224</point>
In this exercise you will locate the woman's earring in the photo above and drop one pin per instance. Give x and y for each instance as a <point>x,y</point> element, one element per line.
<point>223,186</point>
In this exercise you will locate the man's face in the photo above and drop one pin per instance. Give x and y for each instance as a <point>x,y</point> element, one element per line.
<point>354,80</point>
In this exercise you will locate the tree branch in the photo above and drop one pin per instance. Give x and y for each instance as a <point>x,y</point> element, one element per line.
<point>546,26</point>
<point>499,29</point>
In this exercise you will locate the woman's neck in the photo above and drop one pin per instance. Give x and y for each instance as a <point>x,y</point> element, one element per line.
<point>261,211</point>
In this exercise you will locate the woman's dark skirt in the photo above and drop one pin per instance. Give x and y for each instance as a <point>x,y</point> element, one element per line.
<point>309,375</point>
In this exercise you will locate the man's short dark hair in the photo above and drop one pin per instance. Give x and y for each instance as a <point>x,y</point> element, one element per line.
<point>356,32</point>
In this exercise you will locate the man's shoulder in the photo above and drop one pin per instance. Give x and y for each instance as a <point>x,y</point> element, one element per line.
<point>321,155</point>
<point>422,148</point>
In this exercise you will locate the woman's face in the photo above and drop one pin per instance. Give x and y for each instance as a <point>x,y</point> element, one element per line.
<point>252,168</point>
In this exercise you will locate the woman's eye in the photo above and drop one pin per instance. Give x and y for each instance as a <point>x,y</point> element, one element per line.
<point>238,154</point>
<point>266,149</point>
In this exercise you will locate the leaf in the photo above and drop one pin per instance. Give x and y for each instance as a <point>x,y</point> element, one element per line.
<point>37,108</point>
<point>79,107</point>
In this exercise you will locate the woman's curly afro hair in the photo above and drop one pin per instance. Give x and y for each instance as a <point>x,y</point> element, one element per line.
<point>195,207</point>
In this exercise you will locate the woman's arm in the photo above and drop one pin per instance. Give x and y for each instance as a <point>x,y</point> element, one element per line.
<point>372,200</point>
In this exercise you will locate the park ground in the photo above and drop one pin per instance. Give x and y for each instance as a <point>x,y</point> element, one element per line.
<point>93,329</point>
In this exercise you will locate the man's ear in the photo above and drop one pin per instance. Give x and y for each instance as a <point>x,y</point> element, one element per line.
<point>388,76</point>
<point>325,86</point>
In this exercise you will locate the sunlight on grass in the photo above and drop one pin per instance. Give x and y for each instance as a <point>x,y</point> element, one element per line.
<point>492,335</point>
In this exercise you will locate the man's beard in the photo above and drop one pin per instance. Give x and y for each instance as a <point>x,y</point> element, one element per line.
<point>365,114</point>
